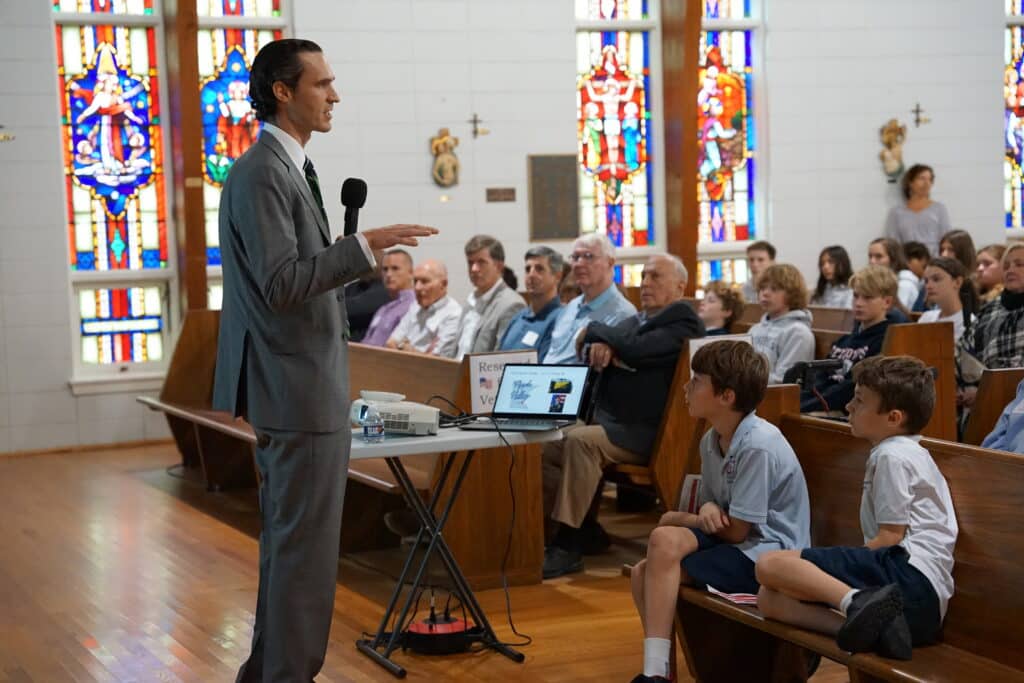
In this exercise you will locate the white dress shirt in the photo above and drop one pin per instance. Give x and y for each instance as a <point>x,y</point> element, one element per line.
<point>433,330</point>
<point>297,155</point>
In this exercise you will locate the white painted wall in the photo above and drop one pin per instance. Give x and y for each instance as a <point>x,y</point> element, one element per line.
<point>835,71</point>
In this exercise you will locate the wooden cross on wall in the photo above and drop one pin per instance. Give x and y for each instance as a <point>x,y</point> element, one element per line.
<point>918,119</point>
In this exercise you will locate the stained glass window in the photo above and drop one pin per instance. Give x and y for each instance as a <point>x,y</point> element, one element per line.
<point>726,9</point>
<point>239,8</point>
<point>614,136</point>
<point>611,9</point>
<point>104,6</point>
<point>1013,94</point>
<point>1014,8</point>
<point>121,325</point>
<point>229,124</point>
<point>727,269</point>
<point>113,147</point>
<point>725,125</point>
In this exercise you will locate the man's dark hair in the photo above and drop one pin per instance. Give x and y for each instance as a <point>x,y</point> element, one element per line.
<point>734,365</point>
<point>903,383</point>
<point>762,245</point>
<point>479,242</point>
<point>276,61</point>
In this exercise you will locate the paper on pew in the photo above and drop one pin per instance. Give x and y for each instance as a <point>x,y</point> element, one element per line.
<point>735,598</point>
<point>689,494</point>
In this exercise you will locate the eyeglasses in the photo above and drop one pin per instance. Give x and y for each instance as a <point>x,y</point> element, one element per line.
<point>582,256</point>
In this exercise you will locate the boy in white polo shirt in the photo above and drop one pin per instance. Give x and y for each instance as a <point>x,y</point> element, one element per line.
<point>891,594</point>
<point>753,499</point>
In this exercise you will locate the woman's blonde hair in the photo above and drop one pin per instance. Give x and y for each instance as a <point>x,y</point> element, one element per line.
<point>786,277</point>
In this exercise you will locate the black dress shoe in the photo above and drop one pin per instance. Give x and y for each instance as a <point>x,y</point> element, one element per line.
<point>559,562</point>
<point>895,641</point>
<point>870,613</point>
<point>651,679</point>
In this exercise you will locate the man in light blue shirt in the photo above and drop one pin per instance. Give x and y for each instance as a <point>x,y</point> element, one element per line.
<point>531,328</point>
<point>1008,434</point>
<point>593,262</point>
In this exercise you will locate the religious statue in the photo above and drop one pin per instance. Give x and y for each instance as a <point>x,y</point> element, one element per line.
<point>446,164</point>
<point>893,135</point>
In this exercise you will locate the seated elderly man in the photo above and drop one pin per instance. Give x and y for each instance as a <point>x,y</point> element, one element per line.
<point>396,269</point>
<point>636,359</point>
<point>432,326</point>
<point>593,262</point>
<point>492,304</point>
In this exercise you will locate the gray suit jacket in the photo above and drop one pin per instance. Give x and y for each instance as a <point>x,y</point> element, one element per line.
<point>281,356</point>
<point>495,319</point>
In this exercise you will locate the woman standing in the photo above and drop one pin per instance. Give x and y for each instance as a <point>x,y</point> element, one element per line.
<point>919,218</point>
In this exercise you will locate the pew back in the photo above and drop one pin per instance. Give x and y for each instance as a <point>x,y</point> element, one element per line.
<point>933,344</point>
<point>987,488</point>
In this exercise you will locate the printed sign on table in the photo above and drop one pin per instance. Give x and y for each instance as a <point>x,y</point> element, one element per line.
<point>485,374</point>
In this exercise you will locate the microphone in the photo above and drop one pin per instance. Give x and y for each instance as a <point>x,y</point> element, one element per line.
<point>353,196</point>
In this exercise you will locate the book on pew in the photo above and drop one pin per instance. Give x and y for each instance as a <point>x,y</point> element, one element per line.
<point>735,598</point>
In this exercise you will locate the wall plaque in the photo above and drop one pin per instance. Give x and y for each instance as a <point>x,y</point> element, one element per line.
<point>554,196</point>
<point>501,194</point>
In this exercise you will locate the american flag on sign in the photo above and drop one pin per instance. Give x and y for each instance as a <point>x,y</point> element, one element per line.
<point>486,382</point>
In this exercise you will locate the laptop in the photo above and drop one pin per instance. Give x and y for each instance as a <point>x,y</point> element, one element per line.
<point>535,398</point>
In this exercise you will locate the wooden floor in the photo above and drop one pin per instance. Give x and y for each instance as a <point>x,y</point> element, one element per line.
<point>112,569</point>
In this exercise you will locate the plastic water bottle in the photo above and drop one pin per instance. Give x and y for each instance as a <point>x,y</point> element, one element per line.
<point>373,425</point>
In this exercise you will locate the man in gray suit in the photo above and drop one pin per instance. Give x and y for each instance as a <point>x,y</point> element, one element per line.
<point>281,356</point>
<point>492,305</point>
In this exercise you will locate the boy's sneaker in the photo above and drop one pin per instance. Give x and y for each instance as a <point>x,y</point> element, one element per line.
<point>559,562</point>
<point>895,641</point>
<point>651,679</point>
<point>869,614</point>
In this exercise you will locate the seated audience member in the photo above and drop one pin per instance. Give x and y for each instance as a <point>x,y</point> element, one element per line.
<point>918,218</point>
<point>887,252</point>
<point>593,261</point>
<point>396,269</point>
<point>492,304</point>
<point>1008,434</point>
<point>834,273</point>
<point>753,500</point>
<point>363,298</point>
<point>531,327</point>
<point>951,292</point>
<point>784,333</point>
<point>760,255</point>
<point>636,360</point>
<point>891,594</point>
<point>432,325</point>
<point>957,244</point>
<point>996,340</point>
<point>988,276</point>
<point>917,260</point>
<point>721,306</point>
<point>874,288</point>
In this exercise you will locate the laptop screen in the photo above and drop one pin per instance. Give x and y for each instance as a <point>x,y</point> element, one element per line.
<point>539,391</point>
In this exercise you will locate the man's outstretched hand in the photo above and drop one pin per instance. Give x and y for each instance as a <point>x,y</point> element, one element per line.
<point>402,234</point>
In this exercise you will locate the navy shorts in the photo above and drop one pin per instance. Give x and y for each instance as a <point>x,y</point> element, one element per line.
<point>720,564</point>
<point>866,568</point>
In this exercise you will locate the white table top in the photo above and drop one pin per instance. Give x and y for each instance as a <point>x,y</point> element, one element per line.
<point>447,440</point>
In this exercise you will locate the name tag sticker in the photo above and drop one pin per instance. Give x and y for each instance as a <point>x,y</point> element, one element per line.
<point>1018,409</point>
<point>530,338</point>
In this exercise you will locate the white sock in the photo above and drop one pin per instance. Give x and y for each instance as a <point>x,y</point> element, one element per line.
<point>844,604</point>
<point>656,655</point>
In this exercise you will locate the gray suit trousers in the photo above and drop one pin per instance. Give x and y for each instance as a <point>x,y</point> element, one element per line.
<point>301,496</point>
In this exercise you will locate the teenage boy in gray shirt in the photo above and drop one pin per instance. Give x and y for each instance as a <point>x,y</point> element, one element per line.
<point>753,499</point>
<point>891,594</point>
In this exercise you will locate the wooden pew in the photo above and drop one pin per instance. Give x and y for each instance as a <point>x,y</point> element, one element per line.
<point>479,524</point>
<point>981,640</point>
<point>996,390</point>
<point>829,318</point>
<point>933,344</point>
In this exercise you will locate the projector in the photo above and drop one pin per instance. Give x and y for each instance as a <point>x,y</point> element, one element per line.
<point>400,417</point>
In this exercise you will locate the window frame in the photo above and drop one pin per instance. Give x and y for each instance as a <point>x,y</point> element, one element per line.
<point>1012,21</point>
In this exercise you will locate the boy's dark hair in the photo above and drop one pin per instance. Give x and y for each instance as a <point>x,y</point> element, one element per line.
<point>734,365</point>
<point>915,251</point>
<point>762,245</point>
<point>902,383</point>
<point>276,61</point>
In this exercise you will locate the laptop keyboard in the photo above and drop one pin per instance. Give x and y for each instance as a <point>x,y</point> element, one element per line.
<point>523,422</point>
